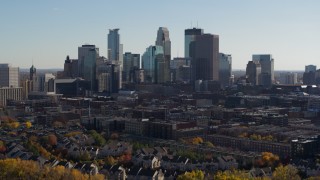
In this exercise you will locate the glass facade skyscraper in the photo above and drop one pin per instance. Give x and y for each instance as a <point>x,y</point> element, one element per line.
<point>113,44</point>
<point>115,51</point>
<point>163,40</point>
<point>150,58</point>
<point>267,68</point>
<point>225,69</point>
<point>131,62</point>
<point>87,57</point>
<point>189,37</point>
<point>253,72</point>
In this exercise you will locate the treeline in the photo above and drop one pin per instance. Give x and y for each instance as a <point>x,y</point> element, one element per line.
<point>25,169</point>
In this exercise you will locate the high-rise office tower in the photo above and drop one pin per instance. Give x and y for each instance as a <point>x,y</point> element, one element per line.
<point>180,69</point>
<point>225,69</point>
<point>205,57</point>
<point>253,72</point>
<point>317,77</point>
<point>33,72</point>
<point>13,93</point>
<point>107,75</point>
<point>163,40</point>
<point>311,68</point>
<point>288,78</point>
<point>87,57</point>
<point>267,68</point>
<point>309,75</point>
<point>189,37</point>
<point>131,62</point>
<point>9,76</point>
<point>115,50</point>
<point>34,82</point>
<point>70,69</point>
<point>44,82</point>
<point>152,63</point>
<point>114,45</point>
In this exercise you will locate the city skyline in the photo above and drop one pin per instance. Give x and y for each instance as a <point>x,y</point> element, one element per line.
<point>44,33</point>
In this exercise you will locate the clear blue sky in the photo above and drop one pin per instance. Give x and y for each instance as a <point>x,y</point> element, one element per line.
<point>45,32</point>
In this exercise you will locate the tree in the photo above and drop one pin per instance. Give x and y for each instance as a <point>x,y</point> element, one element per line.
<point>28,124</point>
<point>232,175</point>
<point>138,145</point>
<point>110,160</point>
<point>13,125</point>
<point>285,173</point>
<point>196,140</point>
<point>52,140</point>
<point>208,144</point>
<point>74,133</point>
<point>125,157</point>
<point>193,175</point>
<point>269,159</point>
<point>85,156</point>
<point>114,136</point>
<point>99,140</point>
<point>22,169</point>
<point>2,147</point>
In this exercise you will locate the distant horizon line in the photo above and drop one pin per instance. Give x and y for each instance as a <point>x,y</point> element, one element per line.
<point>294,70</point>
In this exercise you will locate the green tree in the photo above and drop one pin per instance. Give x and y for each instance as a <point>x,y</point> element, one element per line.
<point>99,139</point>
<point>208,144</point>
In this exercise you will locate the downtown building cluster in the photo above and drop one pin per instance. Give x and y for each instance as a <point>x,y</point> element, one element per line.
<point>203,67</point>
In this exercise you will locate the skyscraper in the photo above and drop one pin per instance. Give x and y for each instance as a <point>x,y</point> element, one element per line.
<point>205,57</point>
<point>225,69</point>
<point>311,68</point>
<point>288,78</point>
<point>114,44</point>
<point>253,72</point>
<point>44,82</point>
<point>9,76</point>
<point>309,75</point>
<point>267,68</point>
<point>180,69</point>
<point>189,37</point>
<point>131,62</point>
<point>87,57</point>
<point>70,69</point>
<point>13,93</point>
<point>115,50</point>
<point>107,76</point>
<point>152,61</point>
<point>164,66</point>
<point>34,83</point>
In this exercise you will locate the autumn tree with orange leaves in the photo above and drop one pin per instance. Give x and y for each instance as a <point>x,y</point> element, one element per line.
<point>23,169</point>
